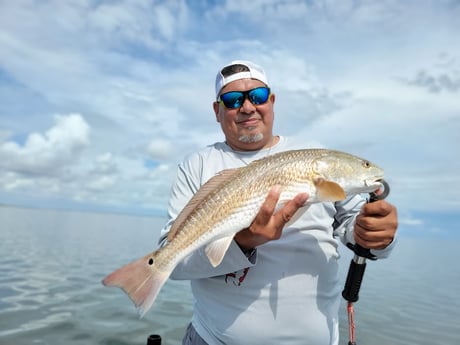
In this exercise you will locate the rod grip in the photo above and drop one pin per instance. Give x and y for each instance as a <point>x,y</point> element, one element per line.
<point>353,282</point>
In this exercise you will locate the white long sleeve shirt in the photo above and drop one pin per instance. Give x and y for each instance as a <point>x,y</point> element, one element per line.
<point>288,291</point>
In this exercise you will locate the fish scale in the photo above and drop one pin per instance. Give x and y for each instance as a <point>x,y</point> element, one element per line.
<point>231,200</point>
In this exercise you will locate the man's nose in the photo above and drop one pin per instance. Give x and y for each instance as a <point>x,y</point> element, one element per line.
<point>247,107</point>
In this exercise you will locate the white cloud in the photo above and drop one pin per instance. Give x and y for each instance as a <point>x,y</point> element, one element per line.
<point>46,153</point>
<point>351,75</point>
<point>160,148</point>
<point>101,183</point>
<point>12,181</point>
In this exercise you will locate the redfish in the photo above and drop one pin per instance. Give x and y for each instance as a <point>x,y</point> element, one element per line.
<point>230,201</point>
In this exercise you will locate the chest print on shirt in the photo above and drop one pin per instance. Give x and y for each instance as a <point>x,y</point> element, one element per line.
<point>237,277</point>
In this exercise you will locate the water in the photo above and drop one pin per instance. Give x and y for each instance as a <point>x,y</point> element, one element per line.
<point>52,262</point>
<point>51,266</point>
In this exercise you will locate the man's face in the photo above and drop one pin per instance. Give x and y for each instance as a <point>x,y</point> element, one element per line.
<point>250,126</point>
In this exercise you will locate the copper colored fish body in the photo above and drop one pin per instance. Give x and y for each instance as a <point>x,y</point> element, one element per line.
<point>230,201</point>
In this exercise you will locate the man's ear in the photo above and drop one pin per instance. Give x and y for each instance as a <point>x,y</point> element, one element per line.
<point>216,107</point>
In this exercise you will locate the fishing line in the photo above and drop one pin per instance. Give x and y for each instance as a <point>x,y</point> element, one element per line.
<point>357,267</point>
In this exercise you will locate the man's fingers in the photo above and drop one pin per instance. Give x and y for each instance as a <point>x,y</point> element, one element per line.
<point>377,217</point>
<point>268,207</point>
<point>286,217</point>
<point>268,226</point>
<point>379,208</point>
<point>301,199</point>
<point>291,207</point>
<point>283,215</point>
<point>376,225</point>
<point>373,240</point>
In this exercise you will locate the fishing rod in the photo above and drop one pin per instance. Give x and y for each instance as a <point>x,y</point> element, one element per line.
<point>357,267</point>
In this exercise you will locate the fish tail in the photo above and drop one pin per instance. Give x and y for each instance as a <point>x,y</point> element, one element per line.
<point>140,280</point>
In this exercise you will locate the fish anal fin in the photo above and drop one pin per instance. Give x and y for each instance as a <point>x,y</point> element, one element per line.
<point>140,280</point>
<point>205,190</point>
<point>215,251</point>
<point>328,190</point>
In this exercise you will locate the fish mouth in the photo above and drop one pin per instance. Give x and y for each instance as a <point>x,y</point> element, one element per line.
<point>377,182</point>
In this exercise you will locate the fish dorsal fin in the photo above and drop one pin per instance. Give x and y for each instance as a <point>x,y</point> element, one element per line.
<point>210,186</point>
<point>328,190</point>
<point>215,251</point>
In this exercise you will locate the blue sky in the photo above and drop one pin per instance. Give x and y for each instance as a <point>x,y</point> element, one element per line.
<point>99,100</point>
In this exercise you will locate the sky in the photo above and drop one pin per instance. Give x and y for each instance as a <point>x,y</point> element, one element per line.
<point>100,100</point>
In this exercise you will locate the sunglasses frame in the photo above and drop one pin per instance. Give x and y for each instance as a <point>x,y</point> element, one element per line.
<point>246,95</point>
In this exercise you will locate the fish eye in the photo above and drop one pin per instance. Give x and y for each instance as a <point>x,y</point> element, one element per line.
<point>366,164</point>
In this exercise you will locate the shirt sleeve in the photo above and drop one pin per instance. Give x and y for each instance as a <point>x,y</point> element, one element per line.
<point>197,265</point>
<point>344,222</point>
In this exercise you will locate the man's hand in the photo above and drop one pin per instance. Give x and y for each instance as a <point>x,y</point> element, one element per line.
<point>268,225</point>
<point>376,225</point>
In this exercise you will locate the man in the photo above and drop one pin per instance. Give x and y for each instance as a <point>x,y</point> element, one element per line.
<point>277,284</point>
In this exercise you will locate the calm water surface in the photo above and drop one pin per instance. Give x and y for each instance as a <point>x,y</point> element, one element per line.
<point>52,262</point>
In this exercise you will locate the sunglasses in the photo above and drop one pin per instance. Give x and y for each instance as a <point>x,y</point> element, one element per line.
<point>235,99</point>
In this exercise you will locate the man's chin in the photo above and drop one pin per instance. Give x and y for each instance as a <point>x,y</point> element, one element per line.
<point>251,138</point>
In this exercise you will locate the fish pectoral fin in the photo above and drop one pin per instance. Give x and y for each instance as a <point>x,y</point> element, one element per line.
<point>328,190</point>
<point>215,251</point>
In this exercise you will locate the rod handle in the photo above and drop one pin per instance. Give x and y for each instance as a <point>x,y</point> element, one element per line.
<point>354,279</point>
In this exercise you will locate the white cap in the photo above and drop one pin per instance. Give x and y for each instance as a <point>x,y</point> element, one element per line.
<point>255,72</point>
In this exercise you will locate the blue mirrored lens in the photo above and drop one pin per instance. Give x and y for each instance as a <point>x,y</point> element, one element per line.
<point>232,99</point>
<point>259,95</point>
<point>235,99</point>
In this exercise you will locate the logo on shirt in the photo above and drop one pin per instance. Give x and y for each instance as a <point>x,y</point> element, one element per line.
<point>237,278</point>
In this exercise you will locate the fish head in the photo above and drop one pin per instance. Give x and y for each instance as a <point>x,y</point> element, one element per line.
<point>354,174</point>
